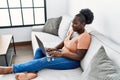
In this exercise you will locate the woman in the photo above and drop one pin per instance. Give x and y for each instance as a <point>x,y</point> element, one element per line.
<point>72,51</point>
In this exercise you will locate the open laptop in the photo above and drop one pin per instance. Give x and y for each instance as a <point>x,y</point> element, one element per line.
<point>40,44</point>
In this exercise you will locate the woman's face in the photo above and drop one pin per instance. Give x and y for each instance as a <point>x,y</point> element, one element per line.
<point>76,24</point>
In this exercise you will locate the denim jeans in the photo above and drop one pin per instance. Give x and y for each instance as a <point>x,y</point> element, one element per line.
<point>40,62</point>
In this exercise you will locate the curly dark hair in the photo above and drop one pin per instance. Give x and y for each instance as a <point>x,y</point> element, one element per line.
<point>86,16</point>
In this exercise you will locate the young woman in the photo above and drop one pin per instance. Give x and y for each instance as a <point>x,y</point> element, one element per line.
<point>72,51</point>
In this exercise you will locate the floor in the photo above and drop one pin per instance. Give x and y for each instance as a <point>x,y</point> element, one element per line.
<point>23,54</point>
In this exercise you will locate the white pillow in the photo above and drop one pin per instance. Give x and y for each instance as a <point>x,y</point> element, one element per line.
<point>64,26</point>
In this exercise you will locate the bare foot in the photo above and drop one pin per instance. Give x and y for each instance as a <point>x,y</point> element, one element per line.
<point>5,70</point>
<point>25,76</point>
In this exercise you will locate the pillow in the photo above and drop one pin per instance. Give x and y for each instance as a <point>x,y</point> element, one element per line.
<point>52,25</point>
<point>101,68</point>
<point>64,26</point>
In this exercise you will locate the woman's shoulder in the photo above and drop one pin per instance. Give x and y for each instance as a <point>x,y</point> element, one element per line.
<point>84,35</point>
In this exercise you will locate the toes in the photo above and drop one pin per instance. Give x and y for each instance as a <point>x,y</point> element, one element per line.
<point>22,76</point>
<point>16,76</point>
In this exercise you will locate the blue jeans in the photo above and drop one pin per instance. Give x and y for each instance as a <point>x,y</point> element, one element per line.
<point>40,62</point>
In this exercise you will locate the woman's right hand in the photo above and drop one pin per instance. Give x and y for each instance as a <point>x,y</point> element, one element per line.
<point>50,49</point>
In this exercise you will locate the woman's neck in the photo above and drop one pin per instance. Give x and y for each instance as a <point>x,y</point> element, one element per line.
<point>81,31</point>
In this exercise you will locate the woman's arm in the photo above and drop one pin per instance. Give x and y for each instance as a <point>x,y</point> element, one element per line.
<point>60,46</point>
<point>74,56</point>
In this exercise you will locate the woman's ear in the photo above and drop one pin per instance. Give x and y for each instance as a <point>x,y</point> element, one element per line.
<point>82,24</point>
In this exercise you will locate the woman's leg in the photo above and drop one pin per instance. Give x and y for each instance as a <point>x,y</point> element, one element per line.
<point>63,64</point>
<point>38,64</point>
<point>39,53</point>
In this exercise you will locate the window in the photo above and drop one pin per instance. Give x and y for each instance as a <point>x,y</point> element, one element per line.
<point>22,13</point>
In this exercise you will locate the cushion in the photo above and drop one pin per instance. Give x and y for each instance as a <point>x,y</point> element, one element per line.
<point>52,25</point>
<point>101,68</point>
<point>64,26</point>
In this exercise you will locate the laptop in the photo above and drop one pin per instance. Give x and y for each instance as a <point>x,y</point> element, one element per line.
<point>40,44</point>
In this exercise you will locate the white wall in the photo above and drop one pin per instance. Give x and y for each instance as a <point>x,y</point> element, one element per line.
<point>20,34</point>
<point>55,8</point>
<point>107,15</point>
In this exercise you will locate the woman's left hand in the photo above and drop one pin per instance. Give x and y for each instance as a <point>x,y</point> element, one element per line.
<point>55,54</point>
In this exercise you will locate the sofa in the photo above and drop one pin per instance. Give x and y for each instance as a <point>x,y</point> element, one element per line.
<point>101,62</point>
<point>99,44</point>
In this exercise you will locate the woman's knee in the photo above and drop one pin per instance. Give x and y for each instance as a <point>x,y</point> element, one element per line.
<point>38,54</point>
<point>38,50</point>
